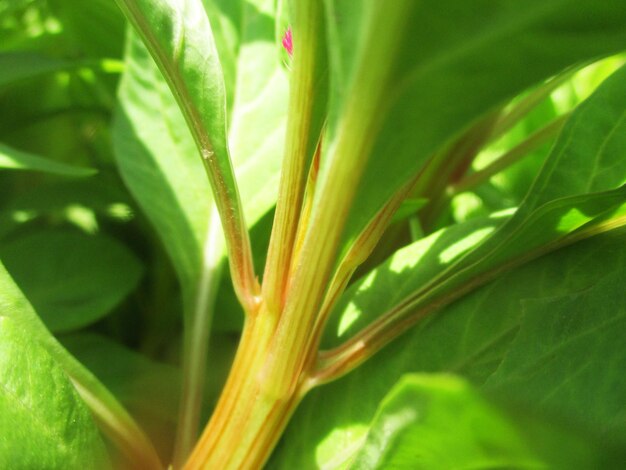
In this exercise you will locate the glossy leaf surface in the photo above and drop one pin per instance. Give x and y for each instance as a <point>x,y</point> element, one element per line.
<point>43,421</point>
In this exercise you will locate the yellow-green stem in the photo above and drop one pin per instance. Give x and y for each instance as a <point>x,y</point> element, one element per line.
<point>306,31</point>
<point>247,421</point>
<point>346,157</point>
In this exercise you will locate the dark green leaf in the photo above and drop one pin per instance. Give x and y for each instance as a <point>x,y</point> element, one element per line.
<point>14,159</point>
<point>18,66</point>
<point>469,337</point>
<point>71,279</point>
<point>440,422</point>
<point>568,357</point>
<point>471,57</point>
<point>150,390</point>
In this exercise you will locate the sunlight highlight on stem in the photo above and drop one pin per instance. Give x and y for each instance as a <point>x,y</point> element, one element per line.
<point>197,333</point>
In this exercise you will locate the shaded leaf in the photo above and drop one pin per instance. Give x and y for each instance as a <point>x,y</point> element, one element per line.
<point>149,389</point>
<point>494,49</point>
<point>568,357</point>
<point>14,159</point>
<point>71,279</point>
<point>158,161</point>
<point>18,66</point>
<point>440,422</point>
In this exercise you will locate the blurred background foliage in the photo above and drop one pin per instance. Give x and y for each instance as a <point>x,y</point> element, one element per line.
<point>76,243</point>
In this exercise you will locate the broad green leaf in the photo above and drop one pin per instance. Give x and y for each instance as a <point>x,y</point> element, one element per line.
<point>414,265</point>
<point>440,422</point>
<point>14,159</point>
<point>471,57</point>
<point>112,418</point>
<point>568,357</point>
<point>257,122</point>
<point>180,40</point>
<point>582,179</point>
<point>43,421</point>
<point>469,337</point>
<point>157,156</point>
<point>158,161</point>
<point>71,279</point>
<point>559,205</point>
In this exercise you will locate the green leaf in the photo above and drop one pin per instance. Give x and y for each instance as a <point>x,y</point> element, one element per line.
<point>568,357</point>
<point>158,161</point>
<point>559,207</point>
<point>71,279</point>
<point>103,197</point>
<point>157,157</point>
<point>440,422</point>
<point>397,278</point>
<point>18,66</point>
<point>113,419</point>
<point>258,119</point>
<point>469,337</point>
<point>94,30</point>
<point>43,421</point>
<point>14,159</point>
<point>180,39</point>
<point>471,58</point>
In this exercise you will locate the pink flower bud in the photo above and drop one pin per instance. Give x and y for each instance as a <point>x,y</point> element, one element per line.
<point>287,42</point>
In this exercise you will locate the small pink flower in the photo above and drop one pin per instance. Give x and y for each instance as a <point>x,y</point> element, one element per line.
<point>287,42</point>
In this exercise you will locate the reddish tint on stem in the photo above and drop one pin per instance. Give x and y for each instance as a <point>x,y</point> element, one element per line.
<point>287,42</point>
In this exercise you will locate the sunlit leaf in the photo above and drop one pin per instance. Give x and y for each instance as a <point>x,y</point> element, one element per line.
<point>43,421</point>
<point>470,338</point>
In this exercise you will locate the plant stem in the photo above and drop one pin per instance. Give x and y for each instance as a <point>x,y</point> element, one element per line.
<point>307,29</point>
<point>218,167</point>
<point>247,421</point>
<point>197,332</point>
<point>346,157</point>
<point>359,251</point>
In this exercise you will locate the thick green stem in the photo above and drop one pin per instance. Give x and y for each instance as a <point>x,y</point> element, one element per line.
<point>307,32</point>
<point>247,421</point>
<point>346,156</point>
